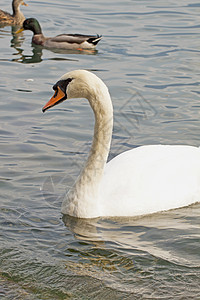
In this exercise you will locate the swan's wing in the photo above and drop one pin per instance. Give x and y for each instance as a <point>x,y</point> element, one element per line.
<point>150,179</point>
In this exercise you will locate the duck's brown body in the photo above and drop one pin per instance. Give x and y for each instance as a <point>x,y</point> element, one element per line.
<point>17,18</point>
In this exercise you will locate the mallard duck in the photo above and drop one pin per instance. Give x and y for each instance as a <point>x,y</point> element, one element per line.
<point>17,18</point>
<point>61,41</point>
<point>143,180</point>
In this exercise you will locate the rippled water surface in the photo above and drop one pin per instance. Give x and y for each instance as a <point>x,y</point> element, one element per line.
<point>149,59</point>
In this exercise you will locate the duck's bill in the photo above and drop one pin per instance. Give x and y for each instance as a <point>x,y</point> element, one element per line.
<point>23,3</point>
<point>20,30</point>
<point>57,98</point>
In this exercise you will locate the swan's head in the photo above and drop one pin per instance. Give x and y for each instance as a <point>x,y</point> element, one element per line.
<point>76,84</point>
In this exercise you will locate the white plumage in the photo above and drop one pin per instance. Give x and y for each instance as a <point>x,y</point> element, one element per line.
<point>151,178</point>
<point>141,181</point>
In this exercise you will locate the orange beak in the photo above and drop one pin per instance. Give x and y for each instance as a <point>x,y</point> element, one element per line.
<point>24,4</point>
<point>20,30</point>
<point>56,99</point>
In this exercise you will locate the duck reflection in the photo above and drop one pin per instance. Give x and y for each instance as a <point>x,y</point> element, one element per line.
<point>17,42</point>
<point>36,56</point>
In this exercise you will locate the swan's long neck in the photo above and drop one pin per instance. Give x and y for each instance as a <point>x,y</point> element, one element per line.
<point>98,155</point>
<point>82,199</point>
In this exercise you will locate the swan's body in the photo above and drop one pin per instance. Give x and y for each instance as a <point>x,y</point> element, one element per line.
<point>141,181</point>
<point>61,41</point>
<point>153,178</point>
<point>17,18</point>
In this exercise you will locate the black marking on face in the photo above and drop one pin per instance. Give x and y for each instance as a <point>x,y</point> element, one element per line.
<point>63,86</point>
<point>63,83</point>
<point>60,93</point>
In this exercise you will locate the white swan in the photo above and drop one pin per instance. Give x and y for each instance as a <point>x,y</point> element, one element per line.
<point>141,181</point>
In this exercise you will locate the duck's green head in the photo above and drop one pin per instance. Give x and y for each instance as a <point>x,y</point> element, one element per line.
<point>31,24</point>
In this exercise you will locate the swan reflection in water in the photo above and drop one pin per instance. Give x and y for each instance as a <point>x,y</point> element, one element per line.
<point>157,236</point>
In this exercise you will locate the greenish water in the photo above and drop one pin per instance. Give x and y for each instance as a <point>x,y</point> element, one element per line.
<point>149,59</point>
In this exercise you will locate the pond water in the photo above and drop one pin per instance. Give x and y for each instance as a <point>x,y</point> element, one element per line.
<point>149,59</point>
